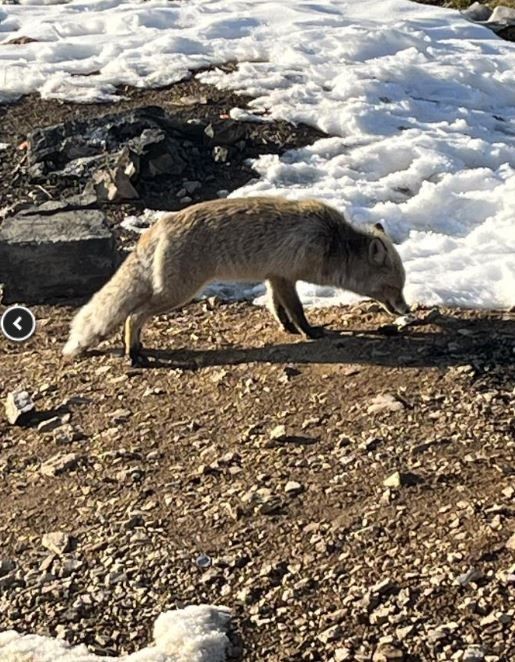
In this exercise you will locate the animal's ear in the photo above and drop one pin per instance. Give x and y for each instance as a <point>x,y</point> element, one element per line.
<point>377,252</point>
<point>379,227</point>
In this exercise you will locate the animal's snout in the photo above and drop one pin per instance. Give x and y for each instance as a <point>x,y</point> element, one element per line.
<point>395,303</point>
<point>400,306</point>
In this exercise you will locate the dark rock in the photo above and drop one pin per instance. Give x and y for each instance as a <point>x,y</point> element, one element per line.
<point>477,12</point>
<point>127,155</point>
<point>47,256</point>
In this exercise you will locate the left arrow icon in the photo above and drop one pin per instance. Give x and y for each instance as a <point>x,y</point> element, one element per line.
<point>18,323</point>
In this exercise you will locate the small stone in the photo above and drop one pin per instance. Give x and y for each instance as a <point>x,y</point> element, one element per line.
<point>385,402</point>
<point>50,424</point>
<point>472,575</point>
<point>292,487</point>
<point>58,464</point>
<point>56,542</point>
<point>330,634</point>
<point>192,100</point>
<point>503,15</point>
<point>203,561</point>
<point>399,479</point>
<point>18,407</point>
<point>279,432</point>
<point>405,320</point>
<point>67,434</point>
<point>114,577</point>
<point>121,415</point>
<point>46,563</point>
<point>474,654</point>
<point>191,186</point>
<point>388,653</point>
<point>510,543</point>
<point>220,154</point>
<point>380,616</point>
<point>404,631</point>
<point>383,587</point>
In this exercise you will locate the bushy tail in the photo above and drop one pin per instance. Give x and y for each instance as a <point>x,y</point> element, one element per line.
<point>130,286</point>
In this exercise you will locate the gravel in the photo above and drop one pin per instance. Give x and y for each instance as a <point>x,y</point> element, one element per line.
<point>244,468</point>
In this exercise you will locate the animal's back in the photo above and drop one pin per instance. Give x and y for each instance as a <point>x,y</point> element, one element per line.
<point>252,238</point>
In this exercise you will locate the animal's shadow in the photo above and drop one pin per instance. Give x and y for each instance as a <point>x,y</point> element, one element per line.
<point>457,342</point>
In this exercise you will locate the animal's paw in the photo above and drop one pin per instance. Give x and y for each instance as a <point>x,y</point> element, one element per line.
<point>136,358</point>
<point>315,332</point>
<point>289,327</point>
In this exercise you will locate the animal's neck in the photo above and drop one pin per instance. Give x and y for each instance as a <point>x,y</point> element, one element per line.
<point>342,266</point>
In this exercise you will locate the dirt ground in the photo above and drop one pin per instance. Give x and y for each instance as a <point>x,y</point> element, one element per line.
<point>178,485</point>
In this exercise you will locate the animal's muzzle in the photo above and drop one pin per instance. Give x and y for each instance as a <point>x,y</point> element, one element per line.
<point>397,306</point>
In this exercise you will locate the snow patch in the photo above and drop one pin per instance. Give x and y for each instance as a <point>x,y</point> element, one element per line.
<point>192,634</point>
<point>420,103</point>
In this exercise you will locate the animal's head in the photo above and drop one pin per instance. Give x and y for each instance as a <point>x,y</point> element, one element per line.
<point>384,275</point>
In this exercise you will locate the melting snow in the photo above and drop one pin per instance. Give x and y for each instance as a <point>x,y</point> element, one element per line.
<point>192,634</point>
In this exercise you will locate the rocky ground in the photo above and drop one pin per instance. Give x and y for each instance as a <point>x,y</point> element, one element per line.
<point>188,100</point>
<point>259,471</point>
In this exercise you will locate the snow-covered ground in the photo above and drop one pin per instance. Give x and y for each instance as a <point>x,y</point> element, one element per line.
<point>419,102</point>
<point>192,634</point>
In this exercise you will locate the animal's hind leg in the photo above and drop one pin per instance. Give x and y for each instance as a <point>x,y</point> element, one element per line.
<point>132,334</point>
<point>278,310</point>
<point>287,296</point>
<point>135,322</point>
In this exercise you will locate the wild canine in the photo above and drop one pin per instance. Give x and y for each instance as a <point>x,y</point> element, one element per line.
<point>247,239</point>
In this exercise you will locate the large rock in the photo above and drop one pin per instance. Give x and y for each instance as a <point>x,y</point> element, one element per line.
<point>48,255</point>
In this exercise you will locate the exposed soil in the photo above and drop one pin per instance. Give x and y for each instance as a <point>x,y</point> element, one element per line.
<point>185,458</point>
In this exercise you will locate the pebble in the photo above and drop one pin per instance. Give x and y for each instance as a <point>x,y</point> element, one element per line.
<point>56,542</point>
<point>58,464</point>
<point>405,320</point>
<point>472,575</point>
<point>121,415</point>
<point>203,561</point>
<point>330,634</point>
<point>388,653</point>
<point>279,432</point>
<point>474,654</point>
<point>385,402</point>
<point>293,487</point>
<point>19,407</point>
<point>50,424</point>
<point>510,543</point>
<point>398,479</point>
<point>220,154</point>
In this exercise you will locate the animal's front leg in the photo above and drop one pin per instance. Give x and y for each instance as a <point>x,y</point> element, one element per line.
<point>278,311</point>
<point>287,295</point>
